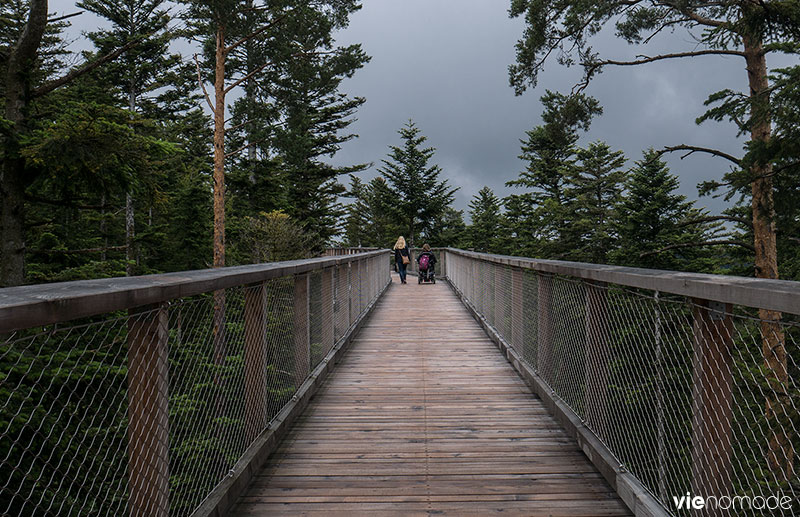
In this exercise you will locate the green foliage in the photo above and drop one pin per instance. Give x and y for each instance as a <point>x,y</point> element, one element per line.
<point>272,237</point>
<point>419,196</point>
<point>653,217</point>
<point>487,222</point>
<point>372,216</point>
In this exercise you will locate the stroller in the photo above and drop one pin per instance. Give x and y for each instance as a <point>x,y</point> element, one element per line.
<point>426,269</point>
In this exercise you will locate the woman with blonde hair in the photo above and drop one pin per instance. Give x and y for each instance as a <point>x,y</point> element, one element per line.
<point>401,257</point>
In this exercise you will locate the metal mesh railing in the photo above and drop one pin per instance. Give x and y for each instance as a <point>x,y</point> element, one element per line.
<point>691,396</point>
<point>145,411</point>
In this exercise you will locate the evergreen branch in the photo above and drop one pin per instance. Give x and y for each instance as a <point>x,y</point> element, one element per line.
<point>85,250</point>
<point>71,76</point>
<point>650,59</point>
<point>202,84</point>
<point>246,146</point>
<point>695,149</point>
<point>66,203</point>
<point>709,219</point>
<point>66,16</point>
<point>702,20</point>
<point>698,244</point>
<point>252,35</point>
<point>248,76</point>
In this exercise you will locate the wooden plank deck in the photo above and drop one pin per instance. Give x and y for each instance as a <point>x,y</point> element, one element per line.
<point>424,416</point>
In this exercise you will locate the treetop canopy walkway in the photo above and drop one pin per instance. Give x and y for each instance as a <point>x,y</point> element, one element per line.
<point>191,393</point>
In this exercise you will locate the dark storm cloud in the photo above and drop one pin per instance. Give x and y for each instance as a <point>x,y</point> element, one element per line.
<point>443,63</point>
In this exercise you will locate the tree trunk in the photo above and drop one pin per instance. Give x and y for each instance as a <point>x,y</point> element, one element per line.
<point>219,196</point>
<point>12,170</point>
<point>130,230</point>
<point>780,455</point>
<point>251,100</point>
<point>12,220</point>
<point>219,151</point>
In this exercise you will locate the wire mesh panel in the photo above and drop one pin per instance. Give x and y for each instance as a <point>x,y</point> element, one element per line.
<point>145,411</point>
<point>691,396</point>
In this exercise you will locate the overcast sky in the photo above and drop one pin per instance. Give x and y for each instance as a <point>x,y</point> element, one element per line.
<point>443,63</point>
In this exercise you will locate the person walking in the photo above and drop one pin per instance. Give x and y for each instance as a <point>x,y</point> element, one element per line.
<point>402,257</point>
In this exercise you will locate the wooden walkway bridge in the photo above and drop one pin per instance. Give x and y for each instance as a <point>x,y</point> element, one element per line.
<point>424,416</point>
<point>323,386</point>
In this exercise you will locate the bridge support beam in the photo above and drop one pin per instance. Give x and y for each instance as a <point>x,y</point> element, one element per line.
<point>598,357</point>
<point>499,300</point>
<point>255,360</point>
<point>712,399</point>
<point>342,299</point>
<point>302,328</point>
<point>355,290</point>
<point>148,416</point>
<point>545,326</point>
<point>328,333</point>
<point>517,313</point>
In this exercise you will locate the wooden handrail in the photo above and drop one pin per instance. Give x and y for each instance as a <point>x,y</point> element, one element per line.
<point>45,304</point>
<point>775,295</point>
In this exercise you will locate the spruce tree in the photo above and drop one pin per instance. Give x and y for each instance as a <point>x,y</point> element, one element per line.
<point>654,221</point>
<point>484,232</point>
<point>594,190</point>
<point>420,196</point>
<point>550,155</point>
<point>371,217</point>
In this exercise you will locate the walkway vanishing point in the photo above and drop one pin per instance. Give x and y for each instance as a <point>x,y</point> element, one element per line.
<point>424,416</point>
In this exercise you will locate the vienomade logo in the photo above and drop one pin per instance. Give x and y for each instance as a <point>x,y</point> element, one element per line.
<point>739,502</point>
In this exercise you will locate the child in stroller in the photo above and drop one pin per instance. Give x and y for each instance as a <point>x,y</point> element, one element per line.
<point>425,262</point>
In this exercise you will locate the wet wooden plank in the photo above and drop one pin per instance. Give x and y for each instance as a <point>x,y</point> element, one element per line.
<point>423,416</point>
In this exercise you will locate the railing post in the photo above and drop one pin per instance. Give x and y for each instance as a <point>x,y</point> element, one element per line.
<point>148,411</point>
<point>545,325</point>
<point>255,360</point>
<point>499,305</point>
<point>355,273</point>
<point>343,298</point>
<point>302,329</point>
<point>598,356</point>
<point>712,399</point>
<point>517,315</point>
<point>328,333</point>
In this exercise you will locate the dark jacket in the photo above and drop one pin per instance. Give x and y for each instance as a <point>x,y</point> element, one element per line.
<point>400,253</point>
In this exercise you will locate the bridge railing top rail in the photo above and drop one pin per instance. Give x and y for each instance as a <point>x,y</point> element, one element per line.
<point>775,295</point>
<point>45,304</point>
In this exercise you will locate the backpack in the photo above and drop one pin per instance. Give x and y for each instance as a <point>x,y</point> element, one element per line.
<point>423,262</point>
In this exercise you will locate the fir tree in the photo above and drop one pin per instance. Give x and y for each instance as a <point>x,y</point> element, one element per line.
<point>595,188</point>
<point>420,196</point>
<point>484,232</point>
<point>652,221</point>
<point>550,155</point>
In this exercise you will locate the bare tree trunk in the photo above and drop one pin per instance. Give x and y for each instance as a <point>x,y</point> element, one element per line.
<point>219,151</point>
<point>12,170</point>
<point>250,94</point>
<point>781,455</point>
<point>130,230</point>
<point>219,194</point>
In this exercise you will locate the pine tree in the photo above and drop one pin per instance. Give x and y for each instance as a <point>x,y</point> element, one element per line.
<point>138,73</point>
<point>484,232</point>
<point>420,196</point>
<point>594,190</point>
<point>371,217</point>
<point>448,230</point>
<point>550,155</point>
<point>653,219</point>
